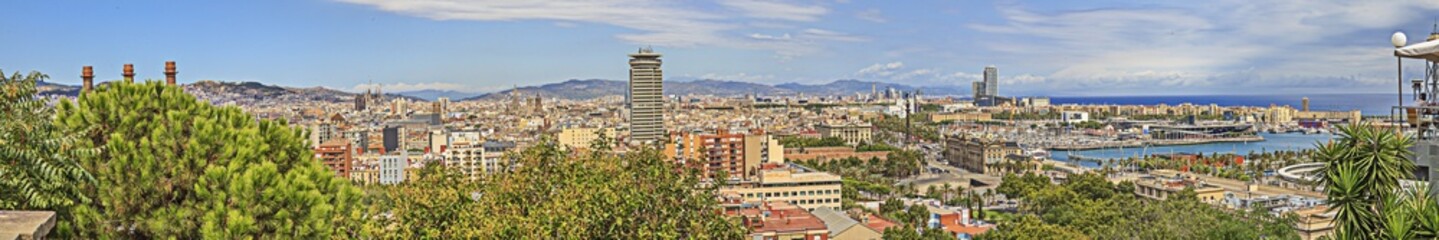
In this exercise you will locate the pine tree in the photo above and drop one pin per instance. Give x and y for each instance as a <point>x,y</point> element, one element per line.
<point>171,166</point>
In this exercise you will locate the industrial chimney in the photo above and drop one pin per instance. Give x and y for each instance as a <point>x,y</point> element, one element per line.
<point>129,73</point>
<point>87,74</point>
<point>170,73</point>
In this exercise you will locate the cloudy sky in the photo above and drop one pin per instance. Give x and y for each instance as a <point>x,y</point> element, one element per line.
<point>1061,48</point>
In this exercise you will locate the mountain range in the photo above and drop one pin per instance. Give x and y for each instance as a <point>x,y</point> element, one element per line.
<point>574,89</point>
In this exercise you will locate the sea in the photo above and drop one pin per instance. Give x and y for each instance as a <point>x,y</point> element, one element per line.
<point>1272,142</point>
<point>1369,104</point>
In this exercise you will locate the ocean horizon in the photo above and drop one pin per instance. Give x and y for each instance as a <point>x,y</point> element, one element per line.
<point>1369,104</point>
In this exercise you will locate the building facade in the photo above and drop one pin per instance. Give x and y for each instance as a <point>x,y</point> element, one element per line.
<point>790,183</point>
<point>976,154</point>
<point>338,154</point>
<point>713,153</point>
<point>851,133</point>
<point>991,81</point>
<point>646,97</point>
<point>392,168</point>
<point>580,138</point>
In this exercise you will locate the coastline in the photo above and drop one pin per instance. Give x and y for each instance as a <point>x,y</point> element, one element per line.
<point>1132,144</point>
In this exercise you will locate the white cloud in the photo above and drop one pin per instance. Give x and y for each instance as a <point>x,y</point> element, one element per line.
<point>821,34</point>
<point>872,15</point>
<point>1227,44</point>
<point>880,69</point>
<point>659,23</point>
<point>769,37</point>
<point>770,9</point>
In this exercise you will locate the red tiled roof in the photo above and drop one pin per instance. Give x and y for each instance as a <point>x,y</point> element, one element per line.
<point>783,218</point>
<point>951,224</point>
<point>879,224</point>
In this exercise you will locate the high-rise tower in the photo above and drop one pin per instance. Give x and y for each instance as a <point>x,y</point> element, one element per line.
<point>991,81</point>
<point>646,97</point>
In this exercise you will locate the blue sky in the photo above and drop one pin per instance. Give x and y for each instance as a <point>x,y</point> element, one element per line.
<point>1041,47</point>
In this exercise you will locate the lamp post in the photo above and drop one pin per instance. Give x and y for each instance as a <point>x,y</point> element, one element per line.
<point>1398,39</point>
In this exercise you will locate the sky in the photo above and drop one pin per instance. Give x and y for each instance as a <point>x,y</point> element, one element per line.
<point>1058,48</point>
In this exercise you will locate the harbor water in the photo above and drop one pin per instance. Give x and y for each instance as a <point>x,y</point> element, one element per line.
<point>1272,142</point>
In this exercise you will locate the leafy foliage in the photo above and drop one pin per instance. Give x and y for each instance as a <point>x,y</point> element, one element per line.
<point>1091,206</point>
<point>553,194</point>
<point>1361,178</point>
<point>174,167</point>
<point>801,142</point>
<point>40,169</point>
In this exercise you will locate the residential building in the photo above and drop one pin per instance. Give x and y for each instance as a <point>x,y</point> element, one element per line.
<point>762,148</point>
<point>467,157</point>
<point>960,225</point>
<point>338,154</point>
<point>790,183</point>
<point>580,138</point>
<point>392,168</point>
<point>321,133</point>
<point>780,220</point>
<point>852,133</point>
<point>646,97</point>
<point>493,159</point>
<point>721,151</point>
<point>1158,188</point>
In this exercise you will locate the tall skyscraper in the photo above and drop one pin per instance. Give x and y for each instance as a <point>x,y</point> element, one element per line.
<point>991,81</point>
<point>646,97</point>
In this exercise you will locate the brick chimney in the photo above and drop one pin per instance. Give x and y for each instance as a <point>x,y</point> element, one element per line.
<point>170,73</point>
<point>129,73</point>
<point>87,74</point>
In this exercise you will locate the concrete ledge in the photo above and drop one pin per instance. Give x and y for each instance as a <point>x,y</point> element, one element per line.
<point>26,224</point>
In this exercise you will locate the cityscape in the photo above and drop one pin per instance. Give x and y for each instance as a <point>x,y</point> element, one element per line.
<point>376,119</point>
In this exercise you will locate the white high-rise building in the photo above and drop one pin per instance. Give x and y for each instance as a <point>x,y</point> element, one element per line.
<point>646,97</point>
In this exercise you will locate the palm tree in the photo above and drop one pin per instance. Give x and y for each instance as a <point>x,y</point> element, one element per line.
<point>1361,175</point>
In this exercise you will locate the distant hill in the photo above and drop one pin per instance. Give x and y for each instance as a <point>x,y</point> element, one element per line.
<point>572,89</point>
<point>722,88</point>
<point>432,94</point>
<point>595,88</point>
<point>242,93</point>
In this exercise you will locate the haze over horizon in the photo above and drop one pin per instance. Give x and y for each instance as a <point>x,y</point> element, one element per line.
<point>1041,48</point>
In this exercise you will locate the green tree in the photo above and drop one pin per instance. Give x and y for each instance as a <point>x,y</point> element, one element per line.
<point>41,169</point>
<point>1361,177</point>
<point>1029,227</point>
<point>554,194</point>
<point>172,166</point>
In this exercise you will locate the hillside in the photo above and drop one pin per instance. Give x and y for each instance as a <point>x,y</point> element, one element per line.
<point>594,88</point>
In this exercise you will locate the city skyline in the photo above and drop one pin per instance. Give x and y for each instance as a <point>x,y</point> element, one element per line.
<point>1044,48</point>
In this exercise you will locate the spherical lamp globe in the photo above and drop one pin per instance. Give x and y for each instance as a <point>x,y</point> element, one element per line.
<point>1398,39</point>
